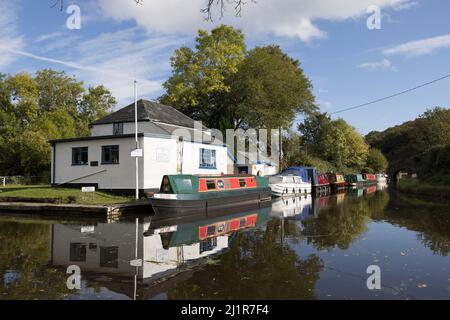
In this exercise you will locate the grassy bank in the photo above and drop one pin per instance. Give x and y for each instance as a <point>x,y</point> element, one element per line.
<point>424,188</point>
<point>62,195</point>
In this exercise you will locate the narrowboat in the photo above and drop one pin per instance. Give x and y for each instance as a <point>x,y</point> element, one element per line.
<point>186,194</point>
<point>354,180</point>
<point>187,231</point>
<point>319,181</point>
<point>337,181</point>
<point>369,179</point>
<point>288,185</point>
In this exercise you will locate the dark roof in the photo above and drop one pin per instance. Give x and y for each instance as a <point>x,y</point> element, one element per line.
<point>148,111</point>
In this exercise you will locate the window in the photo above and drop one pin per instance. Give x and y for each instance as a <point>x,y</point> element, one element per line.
<point>110,154</point>
<point>242,183</point>
<point>210,184</point>
<point>220,184</point>
<point>77,252</point>
<point>79,156</point>
<point>207,159</point>
<point>117,128</point>
<point>109,257</point>
<point>208,245</point>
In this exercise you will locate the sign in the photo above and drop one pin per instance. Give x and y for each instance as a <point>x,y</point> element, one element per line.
<point>87,229</point>
<point>136,263</point>
<point>88,189</point>
<point>165,230</point>
<point>137,153</point>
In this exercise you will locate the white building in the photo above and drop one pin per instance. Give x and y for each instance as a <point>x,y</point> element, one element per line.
<point>171,143</point>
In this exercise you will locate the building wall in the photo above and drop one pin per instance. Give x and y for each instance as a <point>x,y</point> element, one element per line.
<point>160,158</point>
<point>107,176</point>
<point>191,159</point>
<point>128,128</point>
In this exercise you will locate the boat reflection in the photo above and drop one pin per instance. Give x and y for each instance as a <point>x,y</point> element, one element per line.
<point>299,207</point>
<point>165,246</point>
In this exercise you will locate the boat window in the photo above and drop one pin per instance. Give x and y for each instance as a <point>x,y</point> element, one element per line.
<point>242,223</point>
<point>211,231</point>
<point>208,245</point>
<point>165,187</point>
<point>242,183</point>
<point>210,184</point>
<point>220,184</point>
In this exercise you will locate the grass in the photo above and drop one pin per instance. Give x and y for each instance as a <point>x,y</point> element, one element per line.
<point>424,188</point>
<point>63,195</point>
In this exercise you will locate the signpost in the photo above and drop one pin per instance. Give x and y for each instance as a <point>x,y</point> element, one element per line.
<point>88,190</point>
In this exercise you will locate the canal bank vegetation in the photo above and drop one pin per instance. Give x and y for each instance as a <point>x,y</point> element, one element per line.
<point>43,193</point>
<point>421,146</point>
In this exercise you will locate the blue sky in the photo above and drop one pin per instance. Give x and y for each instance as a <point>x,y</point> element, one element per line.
<point>347,63</point>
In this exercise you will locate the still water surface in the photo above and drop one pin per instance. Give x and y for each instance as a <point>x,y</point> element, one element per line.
<point>299,248</point>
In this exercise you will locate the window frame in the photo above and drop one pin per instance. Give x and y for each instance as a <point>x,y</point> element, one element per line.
<point>74,149</point>
<point>110,154</point>
<point>213,157</point>
<point>119,129</point>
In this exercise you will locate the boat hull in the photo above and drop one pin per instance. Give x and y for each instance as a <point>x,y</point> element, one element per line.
<point>201,204</point>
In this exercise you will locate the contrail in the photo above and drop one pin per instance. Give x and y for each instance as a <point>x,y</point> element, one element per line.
<point>77,66</point>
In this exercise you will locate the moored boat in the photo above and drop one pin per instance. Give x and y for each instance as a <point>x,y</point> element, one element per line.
<point>381,178</point>
<point>319,181</point>
<point>288,185</point>
<point>185,194</point>
<point>369,178</point>
<point>355,180</point>
<point>337,181</point>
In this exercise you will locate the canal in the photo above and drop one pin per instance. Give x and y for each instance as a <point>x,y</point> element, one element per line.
<point>298,248</point>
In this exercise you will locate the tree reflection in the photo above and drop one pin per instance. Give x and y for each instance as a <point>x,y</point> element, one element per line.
<point>259,265</point>
<point>343,222</point>
<point>430,219</point>
<point>24,257</point>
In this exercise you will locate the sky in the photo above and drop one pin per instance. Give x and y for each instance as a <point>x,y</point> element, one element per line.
<point>348,62</point>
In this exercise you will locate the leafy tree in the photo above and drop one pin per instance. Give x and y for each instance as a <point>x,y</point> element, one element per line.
<point>227,87</point>
<point>33,110</point>
<point>333,141</point>
<point>376,161</point>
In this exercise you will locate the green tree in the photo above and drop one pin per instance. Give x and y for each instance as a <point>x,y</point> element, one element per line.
<point>33,110</point>
<point>376,161</point>
<point>228,87</point>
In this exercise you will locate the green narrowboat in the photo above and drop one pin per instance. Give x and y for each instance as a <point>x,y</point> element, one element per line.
<point>186,231</point>
<point>354,180</point>
<point>185,194</point>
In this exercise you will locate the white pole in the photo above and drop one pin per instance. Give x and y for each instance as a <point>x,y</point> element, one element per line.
<point>136,138</point>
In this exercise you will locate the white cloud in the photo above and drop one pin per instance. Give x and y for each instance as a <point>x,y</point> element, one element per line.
<point>290,18</point>
<point>384,64</point>
<point>420,47</point>
<point>8,33</point>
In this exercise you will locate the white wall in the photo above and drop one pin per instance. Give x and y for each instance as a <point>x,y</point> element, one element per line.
<point>160,158</point>
<point>191,159</point>
<point>115,176</point>
<point>128,128</point>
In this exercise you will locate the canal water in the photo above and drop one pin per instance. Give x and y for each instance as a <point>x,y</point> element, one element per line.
<point>298,248</point>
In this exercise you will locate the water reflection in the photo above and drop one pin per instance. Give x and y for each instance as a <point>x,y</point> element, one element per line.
<point>298,248</point>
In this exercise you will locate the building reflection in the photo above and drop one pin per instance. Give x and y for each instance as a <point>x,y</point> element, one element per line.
<point>165,246</point>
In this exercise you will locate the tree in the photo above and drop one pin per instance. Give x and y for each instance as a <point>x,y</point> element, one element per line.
<point>227,87</point>
<point>376,161</point>
<point>33,110</point>
<point>333,141</point>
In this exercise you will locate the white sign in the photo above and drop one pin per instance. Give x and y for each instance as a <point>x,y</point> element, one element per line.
<point>136,263</point>
<point>165,230</point>
<point>137,153</point>
<point>88,189</point>
<point>87,229</point>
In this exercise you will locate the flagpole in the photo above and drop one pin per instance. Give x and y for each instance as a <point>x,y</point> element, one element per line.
<point>136,138</point>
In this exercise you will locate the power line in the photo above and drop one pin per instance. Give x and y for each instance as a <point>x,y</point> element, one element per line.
<point>391,96</point>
